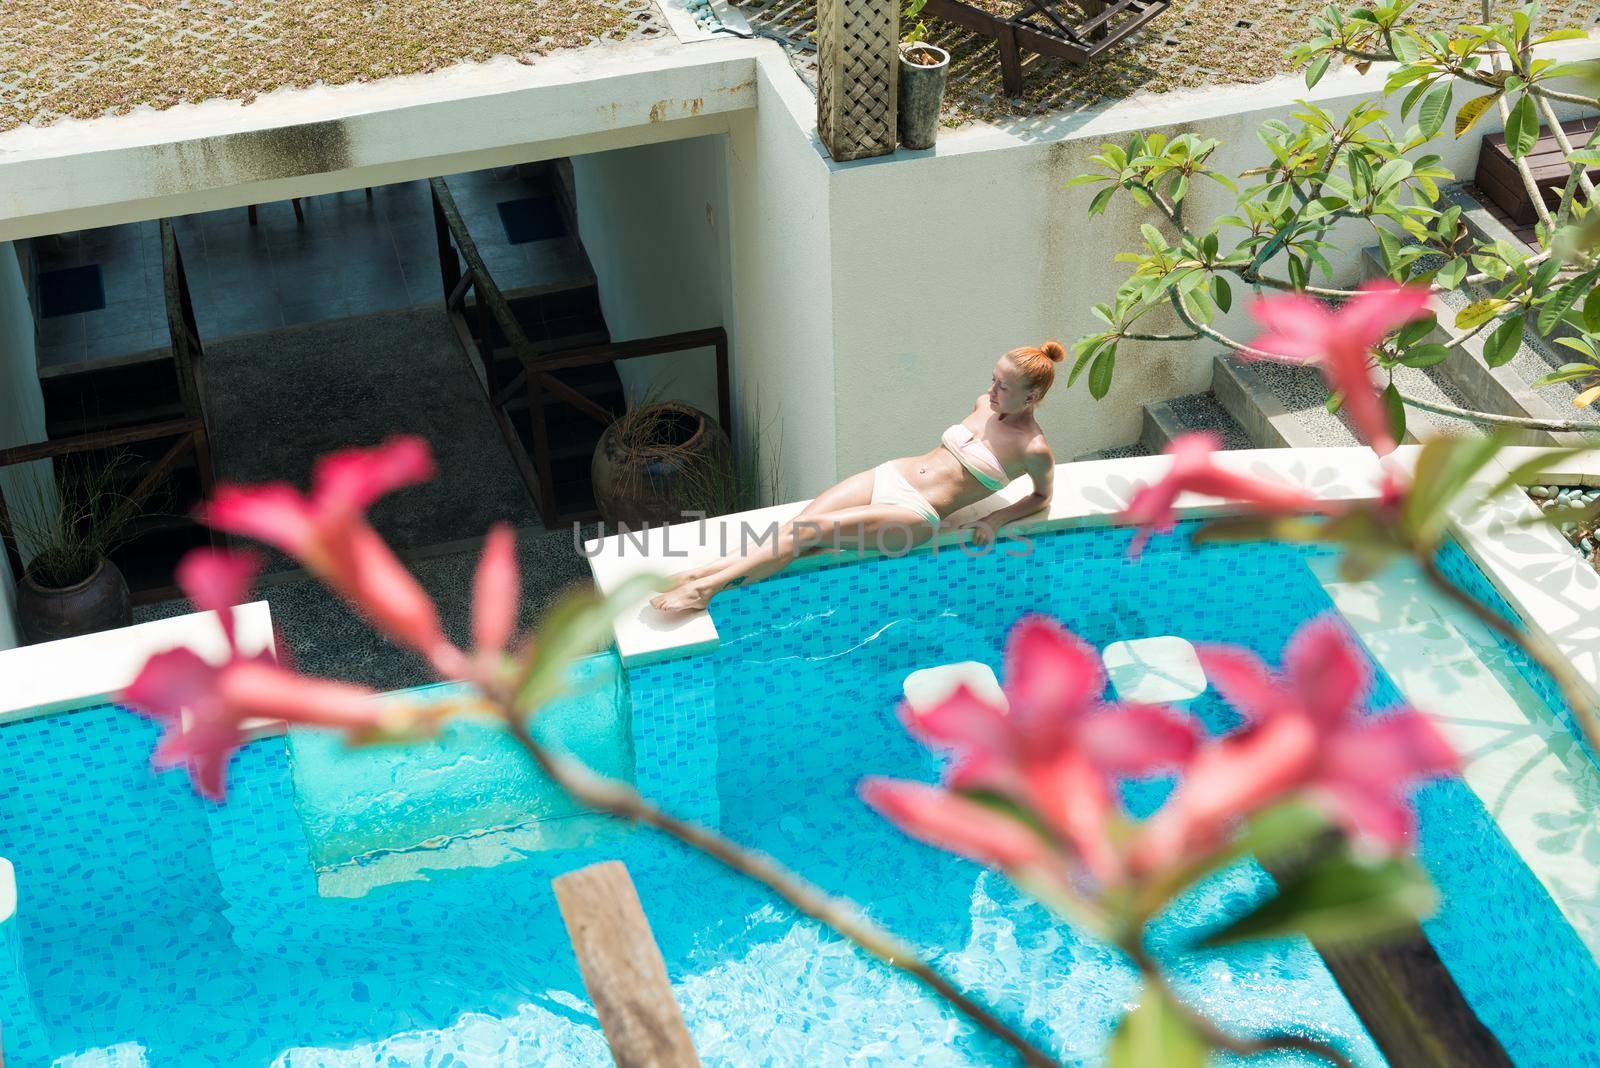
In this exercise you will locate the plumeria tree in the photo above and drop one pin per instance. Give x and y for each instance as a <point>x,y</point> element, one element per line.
<point>1327,175</point>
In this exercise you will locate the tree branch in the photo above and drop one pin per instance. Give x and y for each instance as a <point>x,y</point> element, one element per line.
<point>1220,1039</point>
<point>616,799</point>
<point>1553,426</point>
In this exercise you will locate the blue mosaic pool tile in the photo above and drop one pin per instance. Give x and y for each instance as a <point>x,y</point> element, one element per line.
<point>227,953</point>
<point>675,737</point>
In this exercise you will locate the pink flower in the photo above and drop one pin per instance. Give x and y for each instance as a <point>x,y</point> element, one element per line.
<point>215,580</point>
<point>327,531</point>
<point>1153,507</point>
<point>1054,750</point>
<point>496,592</point>
<point>1306,733</point>
<point>949,821</point>
<point>1340,342</point>
<point>206,707</point>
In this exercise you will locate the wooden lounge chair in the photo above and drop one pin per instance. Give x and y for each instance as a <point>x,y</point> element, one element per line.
<point>1075,31</point>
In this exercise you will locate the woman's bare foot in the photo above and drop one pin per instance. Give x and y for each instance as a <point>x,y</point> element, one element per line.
<point>688,597</point>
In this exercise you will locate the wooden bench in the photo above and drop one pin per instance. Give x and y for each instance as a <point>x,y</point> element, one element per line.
<point>1497,173</point>
<point>1045,28</point>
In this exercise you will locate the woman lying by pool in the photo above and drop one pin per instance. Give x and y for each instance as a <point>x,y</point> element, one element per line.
<point>911,496</point>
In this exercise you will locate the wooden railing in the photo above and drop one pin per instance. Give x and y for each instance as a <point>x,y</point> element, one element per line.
<point>462,272</point>
<point>187,434</point>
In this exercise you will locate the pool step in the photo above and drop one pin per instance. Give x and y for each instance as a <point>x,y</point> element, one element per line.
<point>1167,420</point>
<point>1115,452</point>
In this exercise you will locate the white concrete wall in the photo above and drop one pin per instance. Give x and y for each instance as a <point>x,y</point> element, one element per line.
<point>783,337</point>
<point>941,263</point>
<point>654,221</point>
<point>21,414</point>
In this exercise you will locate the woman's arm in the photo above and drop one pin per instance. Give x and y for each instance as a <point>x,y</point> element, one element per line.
<point>1040,464</point>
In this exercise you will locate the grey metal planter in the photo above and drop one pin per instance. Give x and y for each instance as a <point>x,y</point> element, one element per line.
<point>921,95</point>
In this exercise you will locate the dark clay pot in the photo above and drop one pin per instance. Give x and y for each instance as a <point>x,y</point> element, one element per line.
<point>99,602</point>
<point>921,95</point>
<point>658,485</point>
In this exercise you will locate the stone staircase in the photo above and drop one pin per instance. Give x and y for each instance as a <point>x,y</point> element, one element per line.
<point>1269,405</point>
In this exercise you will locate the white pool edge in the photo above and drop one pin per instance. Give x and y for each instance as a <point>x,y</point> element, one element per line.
<point>39,680</point>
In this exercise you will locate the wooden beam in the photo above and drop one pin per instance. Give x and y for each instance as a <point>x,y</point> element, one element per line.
<point>103,439</point>
<point>622,968</point>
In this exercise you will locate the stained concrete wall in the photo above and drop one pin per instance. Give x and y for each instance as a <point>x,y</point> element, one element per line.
<point>654,221</point>
<point>21,414</point>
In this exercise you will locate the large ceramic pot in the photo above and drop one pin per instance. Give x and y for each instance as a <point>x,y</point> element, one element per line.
<point>99,602</point>
<point>922,72</point>
<point>658,462</point>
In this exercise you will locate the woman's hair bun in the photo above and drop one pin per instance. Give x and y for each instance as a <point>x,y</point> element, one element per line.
<point>1054,350</point>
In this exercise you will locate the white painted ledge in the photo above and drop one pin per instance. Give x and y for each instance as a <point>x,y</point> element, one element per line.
<point>36,680</point>
<point>1086,494</point>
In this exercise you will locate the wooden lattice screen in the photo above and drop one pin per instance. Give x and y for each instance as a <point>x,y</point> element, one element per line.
<point>858,76</point>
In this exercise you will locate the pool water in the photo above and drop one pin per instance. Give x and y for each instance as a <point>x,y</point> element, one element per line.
<point>156,929</point>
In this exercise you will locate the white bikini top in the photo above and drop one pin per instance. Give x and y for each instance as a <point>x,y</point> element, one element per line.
<point>975,456</point>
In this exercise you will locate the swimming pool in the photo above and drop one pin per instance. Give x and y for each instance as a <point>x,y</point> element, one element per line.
<point>155,929</point>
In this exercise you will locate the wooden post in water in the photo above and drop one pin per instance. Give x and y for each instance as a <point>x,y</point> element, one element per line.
<point>622,968</point>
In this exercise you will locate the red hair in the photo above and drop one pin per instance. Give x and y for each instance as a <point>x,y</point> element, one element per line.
<point>1038,365</point>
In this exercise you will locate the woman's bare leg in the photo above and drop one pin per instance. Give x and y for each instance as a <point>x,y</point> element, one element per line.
<point>855,525</point>
<point>853,492</point>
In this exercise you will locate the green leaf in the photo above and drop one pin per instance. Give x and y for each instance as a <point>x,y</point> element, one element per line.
<point>1551,311</point>
<point>1339,899</point>
<point>1101,199</point>
<point>1591,311</point>
<point>1503,343</point>
<point>1522,127</point>
<point>1397,412</point>
<point>1530,472</point>
<point>1472,111</point>
<point>1435,109</point>
<point>1425,355</point>
<point>575,626</point>
<point>1223,295</point>
<point>1589,157</point>
<point>1100,372</point>
<point>1155,1033</point>
<point>1288,824</point>
<point>1479,312</point>
<point>1318,68</point>
<point>1443,469</point>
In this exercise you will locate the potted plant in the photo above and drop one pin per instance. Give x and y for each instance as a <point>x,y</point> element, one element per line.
<point>659,461</point>
<point>922,73</point>
<point>65,529</point>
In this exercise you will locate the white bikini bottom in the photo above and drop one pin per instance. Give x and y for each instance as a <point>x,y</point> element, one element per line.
<point>889,486</point>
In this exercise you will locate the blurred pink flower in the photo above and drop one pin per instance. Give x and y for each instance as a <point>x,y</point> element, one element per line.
<point>496,594</point>
<point>1153,507</point>
<point>1306,732</point>
<point>215,580</point>
<point>1054,751</point>
<point>949,821</point>
<point>1302,329</point>
<point>205,707</point>
<point>327,531</point>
